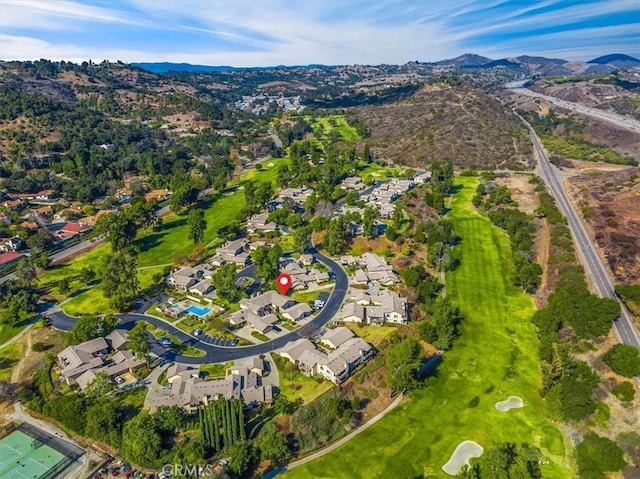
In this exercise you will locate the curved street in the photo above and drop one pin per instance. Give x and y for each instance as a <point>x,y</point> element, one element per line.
<point>215,354</point>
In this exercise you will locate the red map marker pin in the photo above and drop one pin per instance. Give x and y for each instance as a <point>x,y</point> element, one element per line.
<point>284,282</point>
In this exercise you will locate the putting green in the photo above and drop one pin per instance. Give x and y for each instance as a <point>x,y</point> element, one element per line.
<point>496,356</point>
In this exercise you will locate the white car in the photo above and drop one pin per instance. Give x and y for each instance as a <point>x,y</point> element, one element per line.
<point>118,380</point>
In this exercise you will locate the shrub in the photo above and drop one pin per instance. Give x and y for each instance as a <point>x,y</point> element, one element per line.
<point>624,360</point>
<point>624,391</point>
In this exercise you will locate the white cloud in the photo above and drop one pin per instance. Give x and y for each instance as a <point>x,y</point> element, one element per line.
<point>55,15</point>
<point>256,32</point>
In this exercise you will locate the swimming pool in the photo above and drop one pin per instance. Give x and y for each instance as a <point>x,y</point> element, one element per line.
<point>198,310</point>
<point>22,456</point>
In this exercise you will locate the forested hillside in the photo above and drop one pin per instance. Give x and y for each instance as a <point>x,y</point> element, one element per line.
<point>62,122</point>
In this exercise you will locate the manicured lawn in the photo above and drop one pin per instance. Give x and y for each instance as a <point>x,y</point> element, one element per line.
<point>379,172</point>
<point>307,296</point>
<point>216,370</point>
<point>157,248</point>
<point>495,357</point>
<point>9,357</point>
<point>371,334</point>
<point>92,301</point>
<point>7,332</point>
<point>322,126</point>
<point>259,336</point>
<point>294,384</point>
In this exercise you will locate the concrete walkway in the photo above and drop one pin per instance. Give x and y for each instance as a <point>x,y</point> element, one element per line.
<point>348,437</point>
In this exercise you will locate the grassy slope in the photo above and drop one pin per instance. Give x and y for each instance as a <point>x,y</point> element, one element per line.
<point>322,127</point>
<point>156,248</point>
<point>496,357</point>
<point>9,357</point>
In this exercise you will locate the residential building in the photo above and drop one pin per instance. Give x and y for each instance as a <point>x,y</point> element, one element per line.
<point>260,223</point>
<point>236,251</point>
<point>80,364</point>
<point>337,365</point>
<point>189,390</point>
<point>10,257</point>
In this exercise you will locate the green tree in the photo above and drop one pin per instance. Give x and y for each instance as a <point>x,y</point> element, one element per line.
<point>41,241</point>
<point>64,286</point>
<point>84,329</point>
<point>139,343</point>
<point>368,220</point>
<point>273,444</point>
<point>403,363</point>
<point>597,455</point>
<point>170,418</point>
<point>87,275</point>
<point>120,279</point>
<point>101,385</point>
<point>121,230</point>
<point>623,359</point>
<point>336,239</point>
<point>26,272</point>
<point>197,225</point>
<point>141,442</point>
<point>301,238</point>
<point>241,456</point>
<point>183,196</point>
<point>104,421</point>
<point>224,281</point>
<point>267,261</point>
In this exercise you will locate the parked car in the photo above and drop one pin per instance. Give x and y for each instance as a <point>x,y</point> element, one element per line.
<point>118,380</point>
<point>165,341</point>
<point>197,332</point>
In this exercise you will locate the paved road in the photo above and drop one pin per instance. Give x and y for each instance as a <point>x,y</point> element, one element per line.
<point>613,118</point>
<point>91,243</point>
<point>214,354</point>
<point>594,267</point>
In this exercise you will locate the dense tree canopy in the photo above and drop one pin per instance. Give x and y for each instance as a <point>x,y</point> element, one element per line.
<point>403,362</point>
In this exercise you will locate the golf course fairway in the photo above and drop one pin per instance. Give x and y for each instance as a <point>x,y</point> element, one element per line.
<point>495,357</point>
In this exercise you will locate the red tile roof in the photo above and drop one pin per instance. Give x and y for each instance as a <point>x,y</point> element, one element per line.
<point>73,227</point>
<point>9,257</point>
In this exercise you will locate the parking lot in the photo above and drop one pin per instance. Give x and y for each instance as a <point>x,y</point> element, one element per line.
<point>205,338</point>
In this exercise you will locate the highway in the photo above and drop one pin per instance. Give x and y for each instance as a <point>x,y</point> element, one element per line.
<point>618,120</point>
<point>594,267</point>
<point>215,354</point>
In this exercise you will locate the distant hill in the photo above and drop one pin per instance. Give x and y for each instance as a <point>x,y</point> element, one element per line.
<point>165,67</point>
<point>618,60</point>
<point>466,60</point>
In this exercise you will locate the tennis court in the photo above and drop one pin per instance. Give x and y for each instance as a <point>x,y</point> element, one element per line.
<point>22,456</point>
<point>27,452</point>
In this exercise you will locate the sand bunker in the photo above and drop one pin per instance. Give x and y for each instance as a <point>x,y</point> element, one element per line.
<point>271,164</point>
<point>512,402</point>
<point>465,451</point>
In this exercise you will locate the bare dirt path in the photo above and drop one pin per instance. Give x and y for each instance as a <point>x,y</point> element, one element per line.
<point>17,370</point>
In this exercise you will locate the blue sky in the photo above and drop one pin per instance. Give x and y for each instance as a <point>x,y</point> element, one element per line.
<point>275,32</point>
